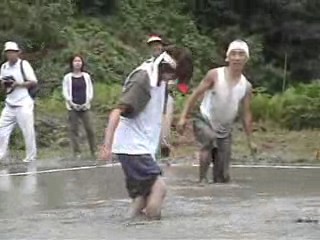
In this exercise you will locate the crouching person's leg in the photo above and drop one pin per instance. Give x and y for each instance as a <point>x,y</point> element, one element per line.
<point>137,206</point>
<point>204,164</point>
<point>143,183</point>
<point>155,199</point>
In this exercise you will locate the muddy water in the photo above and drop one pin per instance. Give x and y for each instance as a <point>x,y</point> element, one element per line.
<point>259,203</point>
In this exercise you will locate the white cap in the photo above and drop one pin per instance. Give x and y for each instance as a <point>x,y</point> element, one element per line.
<point>13,46</point>
<point>154,38</point>
<point>238,45</point>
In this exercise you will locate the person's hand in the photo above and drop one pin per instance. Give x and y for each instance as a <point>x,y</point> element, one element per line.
<point>15,84</point>
<point>253,148</point>
<point>9,86</point>
<point>82,107</point>
<point>181,125</point>
<point>73,105</point>
<point>105,153</point>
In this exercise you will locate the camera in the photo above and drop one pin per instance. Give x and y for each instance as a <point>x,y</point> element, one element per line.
<point>8,81</point>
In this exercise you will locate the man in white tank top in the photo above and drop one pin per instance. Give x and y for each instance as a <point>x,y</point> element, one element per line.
<point>224,90</point>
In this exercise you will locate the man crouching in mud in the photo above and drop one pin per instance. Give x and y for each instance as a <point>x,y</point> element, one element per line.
<point>134,127</point>
<point>224,89</point>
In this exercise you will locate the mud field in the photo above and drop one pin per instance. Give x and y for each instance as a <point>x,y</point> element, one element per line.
<point>83,200</point>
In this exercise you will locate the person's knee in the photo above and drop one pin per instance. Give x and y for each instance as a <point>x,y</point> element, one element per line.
<point>204,155</point>
<point>159,188</point>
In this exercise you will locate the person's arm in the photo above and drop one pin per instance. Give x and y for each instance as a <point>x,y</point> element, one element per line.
<point>205,85</point>
<point>65,90</point>
<point>90,86</point>
<point>247,114</point>
<point>1,72</point>
<point>247,118</point>
<point>31,79</point>
<point>114,119</point>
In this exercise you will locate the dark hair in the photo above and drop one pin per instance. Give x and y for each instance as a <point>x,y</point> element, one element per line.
<point>183,58</point>
<point>71,62</point>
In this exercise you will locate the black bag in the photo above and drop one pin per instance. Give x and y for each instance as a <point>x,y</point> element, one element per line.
<point>32,90</point>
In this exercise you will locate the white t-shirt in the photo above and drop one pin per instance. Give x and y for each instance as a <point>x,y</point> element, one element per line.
<point>19,96</point>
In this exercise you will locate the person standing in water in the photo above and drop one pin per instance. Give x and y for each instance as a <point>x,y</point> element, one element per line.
<point>78,93</point>
<point>156,45</point>
<point>224,90</point>
<point>17,77</point>
<point>134,127</point>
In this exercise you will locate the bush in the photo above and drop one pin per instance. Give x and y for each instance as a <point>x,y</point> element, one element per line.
<point>106,97</point>
<point>35,26</point>
<point>297,108</point>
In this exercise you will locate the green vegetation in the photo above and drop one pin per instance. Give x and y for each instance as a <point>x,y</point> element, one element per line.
<point>297,108</point>
<point>111,36</point>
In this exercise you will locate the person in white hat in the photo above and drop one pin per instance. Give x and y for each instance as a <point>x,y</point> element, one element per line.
<point>17,77</point>
<point>224,90</point>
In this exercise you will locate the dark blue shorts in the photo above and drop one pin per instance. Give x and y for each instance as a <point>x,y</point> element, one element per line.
<point>141,172</point>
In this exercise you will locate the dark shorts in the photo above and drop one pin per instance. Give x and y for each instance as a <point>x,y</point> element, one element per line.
<point>141,172</point>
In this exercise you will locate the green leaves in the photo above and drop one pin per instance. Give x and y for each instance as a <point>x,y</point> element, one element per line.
<point>297,108</point>
<point>35,26</point>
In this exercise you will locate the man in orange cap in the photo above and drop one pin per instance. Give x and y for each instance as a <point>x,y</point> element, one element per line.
<point>156,45</point>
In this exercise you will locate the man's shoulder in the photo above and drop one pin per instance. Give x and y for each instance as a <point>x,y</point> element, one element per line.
<point>212,73</point>
<point>25,63</point>
<point>246,80</point>
<point>4,64</point>
<point>140,77</point>
<point>215,70</point>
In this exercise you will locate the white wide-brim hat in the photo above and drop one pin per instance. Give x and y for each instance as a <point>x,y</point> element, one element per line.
<point>11,46</point>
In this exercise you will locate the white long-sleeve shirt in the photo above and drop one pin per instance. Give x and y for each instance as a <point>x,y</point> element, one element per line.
<point>67,89</point>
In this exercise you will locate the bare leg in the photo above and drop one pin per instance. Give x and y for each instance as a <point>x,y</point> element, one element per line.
<point>222,161</point>
<point>204,161</point>
<point>155,199</point>
<point>137,205</point>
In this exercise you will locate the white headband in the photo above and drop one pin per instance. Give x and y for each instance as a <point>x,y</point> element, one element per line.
<point>155,69</point>
<point>238,45</point>
<point>168,59</point>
